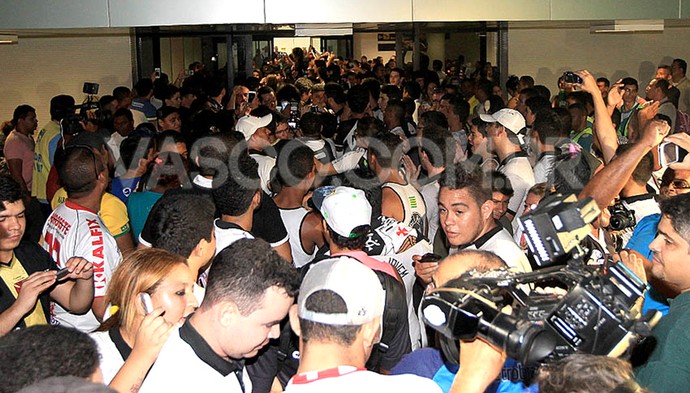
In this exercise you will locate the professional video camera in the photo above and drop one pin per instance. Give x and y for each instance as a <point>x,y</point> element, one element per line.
<point>88,111</point>
<point>597,315</point>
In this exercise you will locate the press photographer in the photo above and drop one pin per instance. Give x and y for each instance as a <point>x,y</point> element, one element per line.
<point>599,314</point>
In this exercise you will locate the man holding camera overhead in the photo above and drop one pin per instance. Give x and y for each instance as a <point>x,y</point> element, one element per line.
<point>636,202</point>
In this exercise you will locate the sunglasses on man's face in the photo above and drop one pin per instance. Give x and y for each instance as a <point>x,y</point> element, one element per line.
<point>681,184</point>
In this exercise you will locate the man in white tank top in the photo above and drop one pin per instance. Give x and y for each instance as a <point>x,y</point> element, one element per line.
<point>400,199</point>
<point>296,173</point>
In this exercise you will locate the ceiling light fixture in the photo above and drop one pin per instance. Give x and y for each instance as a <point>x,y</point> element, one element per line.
<point>322,29</point>
<point>629,26</point>
<point>8,39</point>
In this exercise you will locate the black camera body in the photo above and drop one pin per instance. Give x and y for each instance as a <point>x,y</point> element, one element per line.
<point>571,77</point>
<point>90,88</point>
<point>595,316</point>
<point>621,217</point>
<point>598,313</point>
<point>71,124</point>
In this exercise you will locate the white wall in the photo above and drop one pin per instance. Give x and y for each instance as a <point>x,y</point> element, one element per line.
<point>367,44</point>
<point>286,44</point>
<point>177,53</point>
<point>39,68</point>
<point>545,53</point>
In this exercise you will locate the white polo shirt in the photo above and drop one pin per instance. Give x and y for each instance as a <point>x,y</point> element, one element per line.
<point>187,363</point>
<point>227,233</point>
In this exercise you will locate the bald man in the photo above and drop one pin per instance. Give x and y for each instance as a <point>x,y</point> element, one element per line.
<point>428,362</point>
<point>458,264</point>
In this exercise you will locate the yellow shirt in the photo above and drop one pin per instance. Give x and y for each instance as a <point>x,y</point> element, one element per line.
<point>473,101</point>
<point>44,152</point>
<point>13,275</point>
<point>113,212</point>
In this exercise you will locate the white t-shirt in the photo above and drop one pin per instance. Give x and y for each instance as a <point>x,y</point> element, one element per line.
<point>75,231</point>
<point>643,206</point>
<point>293,218</point>
<point>320,147</point>
<point>361,381</point>
<point>266,164</point>
<point>430,194</point>
<point>349,160</point>
<point>114,143</point>
<point>544,167</point>
<point>111,359</point>
<point>189,365</point>
<point>518,170</point>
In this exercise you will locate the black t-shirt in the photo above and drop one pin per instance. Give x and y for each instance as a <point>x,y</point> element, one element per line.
<point>267,223</point>
<point>34,259</point>
<point>344,129</point>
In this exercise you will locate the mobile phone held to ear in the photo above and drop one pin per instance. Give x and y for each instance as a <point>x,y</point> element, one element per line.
<point>146,302</point>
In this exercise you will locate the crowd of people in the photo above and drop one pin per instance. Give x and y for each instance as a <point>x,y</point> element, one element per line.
<point>279,234</point>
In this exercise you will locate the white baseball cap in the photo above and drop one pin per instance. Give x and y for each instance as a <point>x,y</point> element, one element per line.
<point>343,208</point>
<point>508,118</point>
<point>355,283</point>
<point>248,125</point>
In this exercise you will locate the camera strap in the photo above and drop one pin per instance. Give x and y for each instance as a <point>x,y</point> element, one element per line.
<point>467,292</point>
<point>511,156</point>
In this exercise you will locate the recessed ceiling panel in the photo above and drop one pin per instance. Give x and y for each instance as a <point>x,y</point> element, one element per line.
<point>614,9</point>
<point>41,14</point>
<point>184,12</point>
<point>483,10</point>
<point>338,11</point>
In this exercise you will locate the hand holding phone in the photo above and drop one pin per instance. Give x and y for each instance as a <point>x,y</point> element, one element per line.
<point>430,257</point>
<point>425,266</point>
<point>146,302</point>
<point>673,151</point>
<point>62,273</point>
